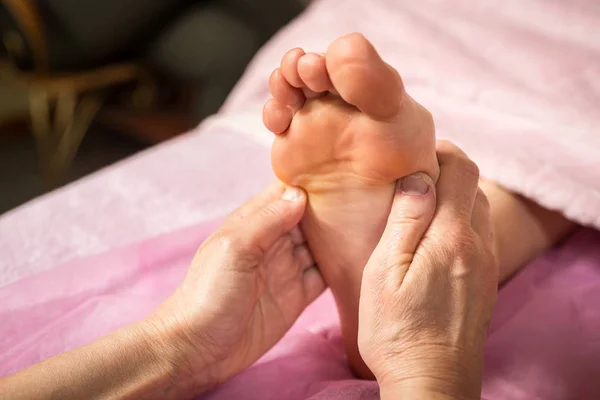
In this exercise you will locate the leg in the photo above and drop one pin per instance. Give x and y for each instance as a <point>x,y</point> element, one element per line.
<point>522,228</point>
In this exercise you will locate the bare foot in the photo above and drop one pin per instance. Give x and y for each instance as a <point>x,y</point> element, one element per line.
<point>346,131</point>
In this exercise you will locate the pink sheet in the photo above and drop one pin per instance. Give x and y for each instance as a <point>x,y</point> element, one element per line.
<point>544,339</point>
<point>516,85</point>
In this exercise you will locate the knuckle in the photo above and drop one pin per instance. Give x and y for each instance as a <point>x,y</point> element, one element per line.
<point>381,273</point>
<point>270,211</point>
<point>446,147</point>
<point>470,256</point>
<point>288,244</point>
<point>483,200</point>
<point>236,250</point>
<point>230,243</point>
<point>467,245</point>
<point>461,238</point>
<point>491,262</point>
<point>284,246</point>
<point>468,168</point>
<point>452,156</point>
<point>302,254</point>
<point>405,220</point>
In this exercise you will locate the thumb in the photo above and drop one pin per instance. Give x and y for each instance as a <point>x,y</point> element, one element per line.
<point>268,223</point>
<point>412,211</point>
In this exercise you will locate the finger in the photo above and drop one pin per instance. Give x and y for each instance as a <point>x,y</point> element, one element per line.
<point>411,214</point>
<point>297,235</point>
<point>314,284</point>
<point>272,192</point>
<point>457,185</point>
<point>266,225</point>
<point>283,246</point>
<point>481,220</point>
<point>303,257</point>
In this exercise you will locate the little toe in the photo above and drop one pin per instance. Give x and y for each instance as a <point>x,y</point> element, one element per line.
<point>313,72</point>
<point>289,67</point>
<point>285,93</point>
<point>276,116</point>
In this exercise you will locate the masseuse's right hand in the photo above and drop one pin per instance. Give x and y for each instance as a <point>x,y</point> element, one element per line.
<point>430,286</point>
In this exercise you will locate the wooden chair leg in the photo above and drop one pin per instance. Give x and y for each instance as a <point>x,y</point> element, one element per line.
<point>39,111</point>
<point>66,103</point>
<point>71,137</point>
<point>59,126</point>
<point>63,107</point>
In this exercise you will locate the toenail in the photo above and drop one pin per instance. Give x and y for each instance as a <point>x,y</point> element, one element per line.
<point>413,185</point>
<point>292,194</point>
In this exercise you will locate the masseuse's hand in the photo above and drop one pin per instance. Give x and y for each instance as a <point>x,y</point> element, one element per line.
<point>430,286</point>
<point>246,286</point>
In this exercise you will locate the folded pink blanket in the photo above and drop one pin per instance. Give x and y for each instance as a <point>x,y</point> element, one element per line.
<point>515,83</point>
<point>200,176</point>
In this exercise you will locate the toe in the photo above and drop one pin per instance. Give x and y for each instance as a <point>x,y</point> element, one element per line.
<point>362,78</point>
<point>283,92</point>
<point>289,67</point>
<point>276,116</point>
<point>313,72</point>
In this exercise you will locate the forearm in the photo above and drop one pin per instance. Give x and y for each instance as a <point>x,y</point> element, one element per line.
<point>130,363</point>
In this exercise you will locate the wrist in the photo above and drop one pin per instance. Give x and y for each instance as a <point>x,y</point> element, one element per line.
<point>426,388</point>
<point>434,373</point>
<point>415,390</point>
<point>187,373</point>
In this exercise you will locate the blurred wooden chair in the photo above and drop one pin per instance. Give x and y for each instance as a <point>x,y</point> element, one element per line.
<point>62,105</point>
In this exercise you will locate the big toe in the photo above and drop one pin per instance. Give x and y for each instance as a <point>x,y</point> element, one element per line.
<point>362,78</point>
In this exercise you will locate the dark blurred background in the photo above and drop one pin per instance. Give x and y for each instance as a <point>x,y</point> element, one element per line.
<point>85,83</point>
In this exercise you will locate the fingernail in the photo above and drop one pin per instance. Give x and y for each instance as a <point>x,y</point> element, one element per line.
<point>413,185</point>
<point>292,194</point>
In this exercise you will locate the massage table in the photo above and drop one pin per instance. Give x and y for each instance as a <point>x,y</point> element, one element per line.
<point>515,84</point>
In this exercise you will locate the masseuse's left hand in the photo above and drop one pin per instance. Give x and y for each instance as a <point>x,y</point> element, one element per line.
<point>246,286</point>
